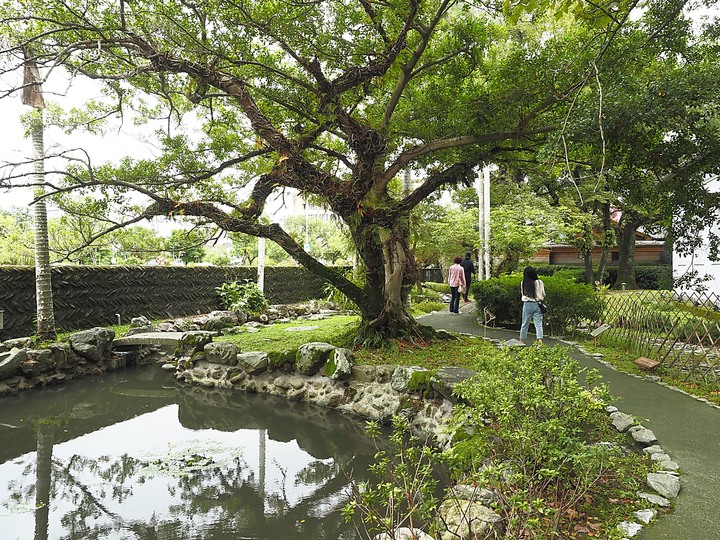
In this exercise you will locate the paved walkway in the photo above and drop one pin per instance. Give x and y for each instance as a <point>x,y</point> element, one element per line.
<point>688,430</point>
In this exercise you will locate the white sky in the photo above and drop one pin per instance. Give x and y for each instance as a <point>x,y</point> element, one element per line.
<point>15,147</point>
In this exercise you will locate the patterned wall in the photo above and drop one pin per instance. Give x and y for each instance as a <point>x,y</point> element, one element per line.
<point>87,296</point>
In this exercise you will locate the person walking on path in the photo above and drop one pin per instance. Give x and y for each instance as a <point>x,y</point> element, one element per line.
<point>456,280</point>
<point>533,290</point>
<point>469,268</point>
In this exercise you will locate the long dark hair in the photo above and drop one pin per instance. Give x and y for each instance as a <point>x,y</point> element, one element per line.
<point>529,278</point>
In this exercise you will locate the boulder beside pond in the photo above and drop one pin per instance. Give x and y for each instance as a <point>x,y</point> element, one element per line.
<point>94,344</point>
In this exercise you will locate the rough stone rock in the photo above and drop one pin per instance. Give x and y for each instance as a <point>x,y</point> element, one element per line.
<point>447,378</point>
<point>312,356</point>
<point>254,362</point>
<point>339,365</point>
<point>94,344</point>
<point>669,465</point>
<point>465,519</point>
<point>474,493</point>
<point>402,375</point>
<point>372,374</point>
<point>217,320</point>
<point>659,456</point>
<point>38,362</point>
<point>10,362</point>
<point>193,342</point>
<point>139,325</point>
<point>222,352</point>
<point>629,529</point>
<point>655,499</point>
<point>20,343</point>
<point>621,421</point>
<point>645,516</point>
<point>63,356</point>
<point>642,435</point>
<point>666,484</point>
<point>654,449</point>
<point>404,533</point>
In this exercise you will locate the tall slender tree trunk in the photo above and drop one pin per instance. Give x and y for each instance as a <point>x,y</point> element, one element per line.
<point>607,241</point>
<point>626,258</point>
<point>32,95</point>
<point>43,280</point>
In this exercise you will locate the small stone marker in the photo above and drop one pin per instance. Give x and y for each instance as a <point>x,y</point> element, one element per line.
<point>646,363</point>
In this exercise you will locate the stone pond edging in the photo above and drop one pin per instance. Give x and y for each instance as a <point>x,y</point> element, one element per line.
<point>317,373</point>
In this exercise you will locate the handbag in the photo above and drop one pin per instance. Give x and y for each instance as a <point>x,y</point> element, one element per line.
<point>542,305</point>
<point>462,289</point>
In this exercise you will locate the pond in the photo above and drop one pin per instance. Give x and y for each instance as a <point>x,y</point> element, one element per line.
<point>131,456</point>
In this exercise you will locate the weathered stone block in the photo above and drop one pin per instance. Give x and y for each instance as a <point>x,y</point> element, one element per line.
<point>222,352</point>
<point>339,365</point>
<point>254,362</point>
<point>666,484</point>
<point>312,356</point>
<point>10,362</point>
<point>94,344</point>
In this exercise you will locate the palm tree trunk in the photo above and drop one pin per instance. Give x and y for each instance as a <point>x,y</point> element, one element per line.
<point>43,281</point>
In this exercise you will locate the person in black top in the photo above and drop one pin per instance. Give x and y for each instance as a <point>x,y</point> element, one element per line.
<point>469,268</point>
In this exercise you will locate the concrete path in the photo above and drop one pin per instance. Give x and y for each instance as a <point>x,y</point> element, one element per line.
<point>688,430</point>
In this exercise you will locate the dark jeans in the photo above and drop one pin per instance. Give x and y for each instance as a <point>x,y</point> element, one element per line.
<point>454,300</point>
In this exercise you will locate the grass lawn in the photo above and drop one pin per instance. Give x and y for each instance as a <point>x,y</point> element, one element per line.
<point>338,331</point>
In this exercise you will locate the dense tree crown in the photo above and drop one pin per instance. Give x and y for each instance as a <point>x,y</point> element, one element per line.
<point>332,98</point>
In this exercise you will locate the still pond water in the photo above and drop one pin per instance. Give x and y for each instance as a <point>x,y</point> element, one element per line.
<point>130,456</point>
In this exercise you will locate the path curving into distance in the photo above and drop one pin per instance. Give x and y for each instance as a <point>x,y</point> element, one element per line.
<point>687,429</point>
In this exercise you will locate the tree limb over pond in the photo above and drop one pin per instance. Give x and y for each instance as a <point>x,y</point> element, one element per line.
<point>332,99</point>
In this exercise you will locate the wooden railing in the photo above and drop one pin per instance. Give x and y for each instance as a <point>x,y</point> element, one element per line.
<point>681,331</point>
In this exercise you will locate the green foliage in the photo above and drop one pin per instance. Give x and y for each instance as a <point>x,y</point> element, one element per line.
<point>656,278</point>
<point>443,288</point>
<point>187,245</point>
<point>401,493</point>
<point>242,296</point>
<point>570,303</point>
<point>529,429</point>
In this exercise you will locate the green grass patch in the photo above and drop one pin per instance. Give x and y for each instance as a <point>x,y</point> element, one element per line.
<point>280,337</point>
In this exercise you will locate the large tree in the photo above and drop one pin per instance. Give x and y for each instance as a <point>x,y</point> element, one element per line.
<point>332,98</point>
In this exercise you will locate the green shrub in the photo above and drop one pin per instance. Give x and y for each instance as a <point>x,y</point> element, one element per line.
<point>648,277</point>
<point>238,296</point>
<point>427,294</point>
<point>443,288</point>
<point>570,303</point>
<point>527,428</point>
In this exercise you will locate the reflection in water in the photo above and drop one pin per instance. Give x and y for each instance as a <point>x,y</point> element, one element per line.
<point>123,458</point>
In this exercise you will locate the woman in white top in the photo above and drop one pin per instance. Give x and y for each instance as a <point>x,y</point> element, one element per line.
<point>532,290</point>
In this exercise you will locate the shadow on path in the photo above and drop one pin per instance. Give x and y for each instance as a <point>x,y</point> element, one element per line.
<point>688,430</point>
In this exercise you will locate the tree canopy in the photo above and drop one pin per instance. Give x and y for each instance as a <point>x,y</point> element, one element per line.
<point>332,98</point>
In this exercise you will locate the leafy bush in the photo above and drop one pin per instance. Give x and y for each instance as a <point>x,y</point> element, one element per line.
<point>401,493</point>
<point>569,303</point>
<point>654,278</point>
<point>528,429</point>
<point>443,288</point>
<point>238,296</point>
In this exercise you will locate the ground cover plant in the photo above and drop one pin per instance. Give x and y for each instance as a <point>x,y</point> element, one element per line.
<point>528,429</point>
